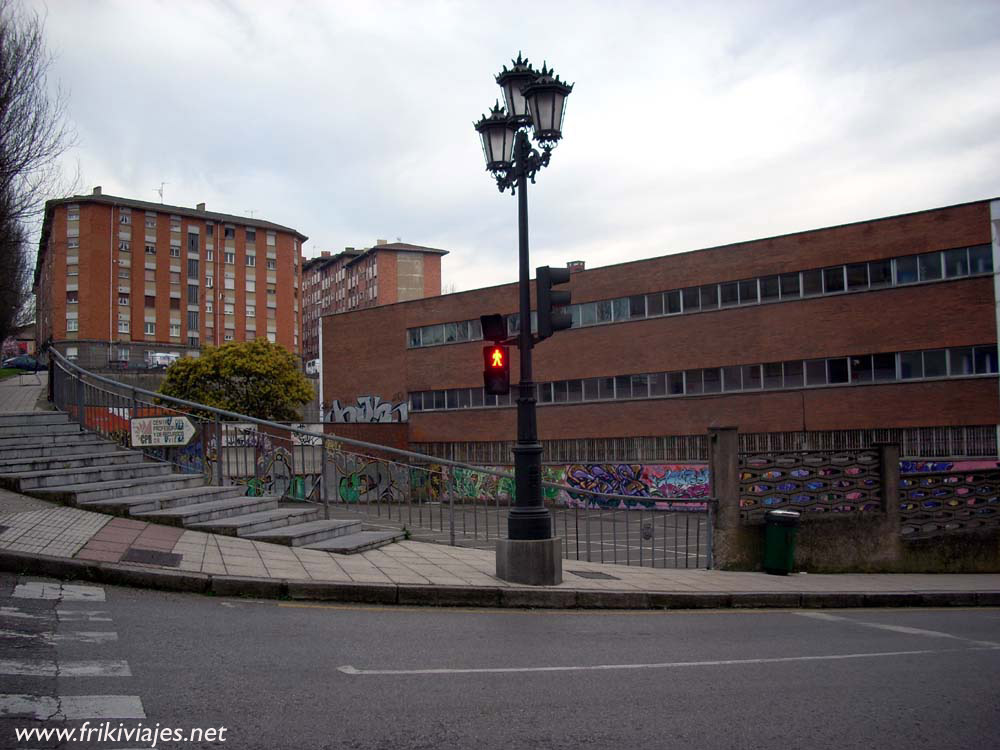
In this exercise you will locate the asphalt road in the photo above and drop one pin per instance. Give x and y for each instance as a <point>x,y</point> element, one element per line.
<point>287,675</point>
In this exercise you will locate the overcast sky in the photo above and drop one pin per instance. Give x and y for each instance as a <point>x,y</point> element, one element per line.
<point>692,124</point>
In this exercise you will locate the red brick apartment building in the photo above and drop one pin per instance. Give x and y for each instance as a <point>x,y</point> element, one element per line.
<point>881,329</point>
<point>117,279</point>
<point>359,278</point>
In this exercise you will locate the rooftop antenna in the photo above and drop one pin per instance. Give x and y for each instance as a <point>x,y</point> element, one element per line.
<point>251,211</point>
<point>160,190</point>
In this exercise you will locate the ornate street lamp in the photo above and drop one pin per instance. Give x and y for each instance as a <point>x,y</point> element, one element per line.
<point>536,102</point>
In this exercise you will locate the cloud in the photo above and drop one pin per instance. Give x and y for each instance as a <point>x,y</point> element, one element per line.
<point>690,124</point>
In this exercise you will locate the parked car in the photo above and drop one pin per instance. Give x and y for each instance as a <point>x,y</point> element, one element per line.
<point>23,362</point>
<point>161,360</point>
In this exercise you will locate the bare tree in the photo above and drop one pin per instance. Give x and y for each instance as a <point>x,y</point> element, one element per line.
<point>33,136</point>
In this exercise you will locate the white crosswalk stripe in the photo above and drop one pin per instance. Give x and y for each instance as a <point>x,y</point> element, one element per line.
<point>45,668</point>
<point>71,707</point>
<point>64,592</point>
<point>78,636</point>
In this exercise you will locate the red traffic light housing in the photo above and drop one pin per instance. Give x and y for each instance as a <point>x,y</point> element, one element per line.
<point>496,370</point>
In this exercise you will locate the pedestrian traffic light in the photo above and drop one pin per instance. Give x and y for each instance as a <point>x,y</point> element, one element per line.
<point>550,317</point>
<point>496,375</point>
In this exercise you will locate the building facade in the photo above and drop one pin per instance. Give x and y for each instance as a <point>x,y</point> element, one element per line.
<point>877,330</point>
<point>360,278</point>
<point>119,279</point>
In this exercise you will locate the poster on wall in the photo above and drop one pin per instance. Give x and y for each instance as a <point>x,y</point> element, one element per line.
<point>150,431</point>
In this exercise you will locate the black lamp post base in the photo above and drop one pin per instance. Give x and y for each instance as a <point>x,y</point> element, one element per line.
<point>533,562</point>
<point>534,522</point>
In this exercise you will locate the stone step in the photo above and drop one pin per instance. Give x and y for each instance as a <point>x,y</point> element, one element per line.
<point>72,494</point>
<point>32,480</point>
<point>83,443</point>
<point>68,461</point>
<point>350,544</point>
<point>20,430</point>
<point>33,417</point>
<point>301,534</point>
<point>233,506</point>
<point>161,500</point>
<point>254,522</point>
<point>37,433</point>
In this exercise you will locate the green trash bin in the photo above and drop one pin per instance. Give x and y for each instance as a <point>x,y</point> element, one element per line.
<point>779,541</point>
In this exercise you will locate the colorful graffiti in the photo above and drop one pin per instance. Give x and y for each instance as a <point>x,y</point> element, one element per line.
<point>649,484</point>
<point>922,467</point>
<point>363,479</point>
<point>369,409</point>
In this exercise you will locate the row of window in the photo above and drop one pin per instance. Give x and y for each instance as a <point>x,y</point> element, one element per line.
<point>853,277</point>
<point>865,368</point>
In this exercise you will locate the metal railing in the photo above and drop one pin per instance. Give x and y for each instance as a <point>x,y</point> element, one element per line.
<point>433,499</point>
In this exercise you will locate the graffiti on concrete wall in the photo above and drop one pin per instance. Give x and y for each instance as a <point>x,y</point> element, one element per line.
<point>649,484</point>
<point>931,466</point>
<point>363,479</point>
<point>369,409</point>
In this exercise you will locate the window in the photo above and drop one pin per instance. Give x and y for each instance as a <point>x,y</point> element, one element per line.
<point>691,299</point>
<point>193,341</point>
<point>208,308</point>
<point>192,268</point>
<point>72,353</point>
<point>192,320</point>
<point>150,300</point>
<point>230,233</point>
<point>980,259</point>
<point>985,358</point>
<point>175,277</point>
<point>230,333</point>
<point>770,287</point>
<point>251,261</point>
<point>906,270</point>
<point>880,273</point>
<point>192,294</point>
<point>175,303</point>
<point>772,375</point>
<point>209,282</point>
<point>72,298</point>
<point>712,379</point>
<point>789,286</point>
<point>124,273</point>
<point>837,370</point>
<point>175,252</point>
<point>150,223</point>
<point>748,292</point>
<point>929,266</point>
<point>150,329</point>
<point>654,305</point>
<point>672,302</point>
<point>709,296</point>
<point>72,324</point>
<point>729,293</point>
<point>251,235</point>
<point>251,285</point>
<point>209,255</point>
<point>175,329</point>
<point>124,218</point>
<point>884,366</point>
<point>961,361</point>
<point>272,264</point>
<point>956,262</point>
<point>857,276</point>
<point>816,372</point>
<point>123,326</point>
<point>123,299</point>
<point>73,242</point>
<point>731,379</point>
<point>150,249</point>
<point>229,257</point>
<point>228,309</point>
<point>936,363</point>
<point>125,246</point>
<point>794,374</point>
<point>911,365</point>
<point>861,369</point>
<point>812,282</point>
<point>251,311</point>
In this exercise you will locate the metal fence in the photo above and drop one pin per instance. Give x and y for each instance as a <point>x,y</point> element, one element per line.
<point>432,498</point>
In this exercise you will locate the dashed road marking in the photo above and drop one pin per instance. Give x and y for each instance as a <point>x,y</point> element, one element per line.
<point>895,628</point>
<point>350,670</point>
<point>84,615</point>
<point>66,592</point>
<point>78,636</point>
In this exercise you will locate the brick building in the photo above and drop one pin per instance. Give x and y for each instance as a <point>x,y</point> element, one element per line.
<point>358,278</point>
<point>881,329</point>
<point>117,279</point>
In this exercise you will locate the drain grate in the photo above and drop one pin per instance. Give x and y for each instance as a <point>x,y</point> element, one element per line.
<point>152,557</point>
<point>594,574</point>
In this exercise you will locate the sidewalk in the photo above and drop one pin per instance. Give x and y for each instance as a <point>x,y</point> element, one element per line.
<point>48,539</point>
<point>43,538</point>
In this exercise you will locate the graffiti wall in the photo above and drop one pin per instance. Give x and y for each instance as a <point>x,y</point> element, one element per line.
<point>369,409</point>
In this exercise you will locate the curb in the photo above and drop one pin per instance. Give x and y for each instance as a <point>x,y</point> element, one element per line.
<point>497,597</point>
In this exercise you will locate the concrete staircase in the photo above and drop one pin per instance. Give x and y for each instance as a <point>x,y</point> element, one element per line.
<point>44,455</point>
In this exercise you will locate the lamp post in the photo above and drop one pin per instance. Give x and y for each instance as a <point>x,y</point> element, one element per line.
<point>535,103</point>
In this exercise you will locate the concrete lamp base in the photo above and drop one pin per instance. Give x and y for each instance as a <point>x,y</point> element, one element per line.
<point>535,562</point>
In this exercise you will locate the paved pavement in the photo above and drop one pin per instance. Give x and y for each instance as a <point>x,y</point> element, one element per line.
<point>45,538</point>
<point>22,393</point>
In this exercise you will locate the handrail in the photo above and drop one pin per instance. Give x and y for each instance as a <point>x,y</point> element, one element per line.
<point>422,457</point>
